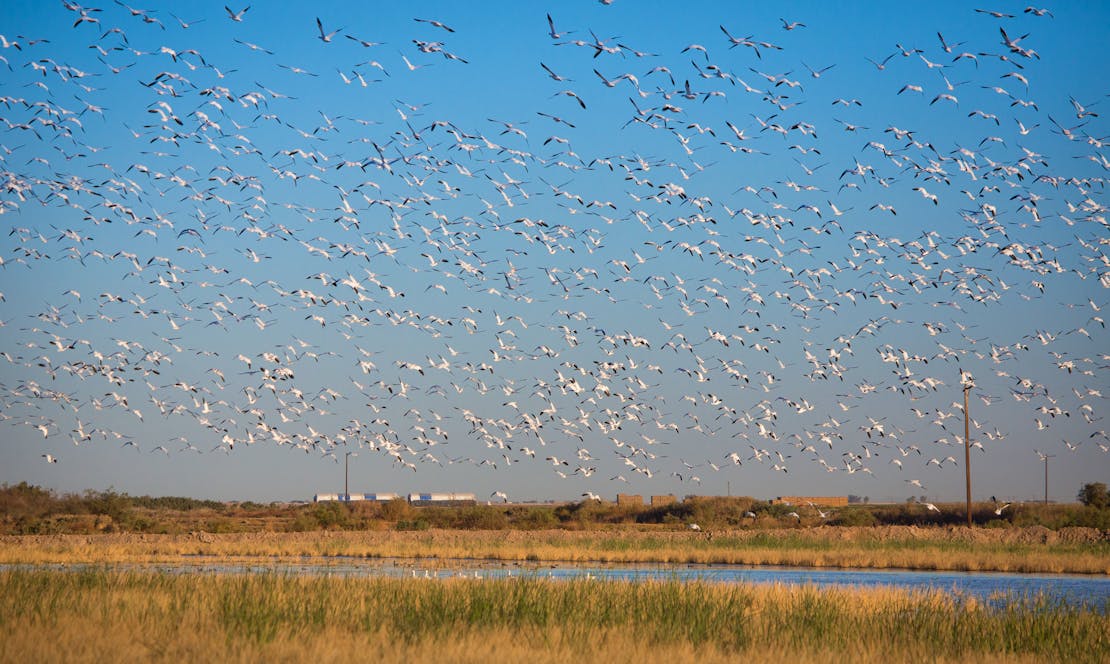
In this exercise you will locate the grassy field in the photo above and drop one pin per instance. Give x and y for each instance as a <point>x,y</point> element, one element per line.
<point>99,615</point>
<point>1085,551</point>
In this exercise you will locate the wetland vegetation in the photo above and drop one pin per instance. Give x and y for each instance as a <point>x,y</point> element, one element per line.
<point>40,527</point>
<point>99,614</point>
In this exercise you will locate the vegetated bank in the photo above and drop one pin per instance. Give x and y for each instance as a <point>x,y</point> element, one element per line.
<point>109,527</point>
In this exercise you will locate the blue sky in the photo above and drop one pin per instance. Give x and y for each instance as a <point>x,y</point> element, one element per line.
<point>432,256</point>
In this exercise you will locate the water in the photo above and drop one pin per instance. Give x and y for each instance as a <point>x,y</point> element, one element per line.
<point>993,588</point>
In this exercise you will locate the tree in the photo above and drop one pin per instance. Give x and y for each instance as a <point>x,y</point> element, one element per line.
<point>1094,494</point>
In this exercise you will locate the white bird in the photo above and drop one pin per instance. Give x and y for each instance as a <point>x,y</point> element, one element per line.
<point>823,515</point>
<point>236,16</point>
<point>551,29</point>
<point>50,458</point>
<point>433,23</point>
<point>325,37</point>
<point>926,194</point>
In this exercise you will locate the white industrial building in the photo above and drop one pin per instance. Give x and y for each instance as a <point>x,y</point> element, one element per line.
<point>413,498</point>
<point>355,497</point>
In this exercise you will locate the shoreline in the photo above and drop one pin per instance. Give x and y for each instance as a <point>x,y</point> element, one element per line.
<point>462,563</point>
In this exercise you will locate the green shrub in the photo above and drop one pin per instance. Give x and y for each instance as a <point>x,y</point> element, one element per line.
<point>1094,494</point>
<point>331,515</point>
<point>854,517</point>
<point>482,518</point>
<point>303,522</point>
<point>175,503</point>
<point>395,510</point>
<point>109,503</point>
<point>534,518</point>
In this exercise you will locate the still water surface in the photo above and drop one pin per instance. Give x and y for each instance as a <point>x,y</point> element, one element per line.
<point>991,587</point>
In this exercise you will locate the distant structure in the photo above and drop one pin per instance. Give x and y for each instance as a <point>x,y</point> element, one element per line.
<point>630,500</point>
<point>662,501</point>
<point>419,499</point>
<point>820,501</point>
<point>413,498</point>
<point>354,497</point>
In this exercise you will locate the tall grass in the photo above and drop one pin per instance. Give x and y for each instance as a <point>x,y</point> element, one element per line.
<point>881,547</point>
<point>97,615</point>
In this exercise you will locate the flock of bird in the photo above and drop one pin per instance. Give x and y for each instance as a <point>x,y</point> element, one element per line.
<point>684,265</point>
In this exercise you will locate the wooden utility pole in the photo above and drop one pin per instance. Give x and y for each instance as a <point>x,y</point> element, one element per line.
<point>1046,458</point>
<point>346,476</point>
<point>967,451</point>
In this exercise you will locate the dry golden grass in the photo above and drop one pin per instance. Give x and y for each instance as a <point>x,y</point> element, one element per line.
<point>1012,550</point>
<point>98,615</point>
<point>91,644</point>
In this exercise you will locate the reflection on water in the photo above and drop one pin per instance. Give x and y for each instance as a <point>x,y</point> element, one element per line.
<point>991,587</point>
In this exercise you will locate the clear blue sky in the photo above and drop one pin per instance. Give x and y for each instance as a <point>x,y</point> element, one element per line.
<point>715,236</point>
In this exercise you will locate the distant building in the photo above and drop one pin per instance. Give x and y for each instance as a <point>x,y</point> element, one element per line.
<point>630,500</point>
<point>819,501</point>
<point>355,497</point>
<point>381,497</point>
<point>661,501</point>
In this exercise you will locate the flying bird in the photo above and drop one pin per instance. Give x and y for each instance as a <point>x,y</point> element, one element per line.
<point>236,16</point>
<point>325,37</point>
<point>436,24</point>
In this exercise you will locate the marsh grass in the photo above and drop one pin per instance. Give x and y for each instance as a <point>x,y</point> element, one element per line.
<point>100,615</point>
<point>1030,550</point>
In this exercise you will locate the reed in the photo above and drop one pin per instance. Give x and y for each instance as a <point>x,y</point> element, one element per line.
<point>1011,550</point>
<point>99,614</point>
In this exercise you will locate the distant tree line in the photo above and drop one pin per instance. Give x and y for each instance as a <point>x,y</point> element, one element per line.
<point>27,509</point>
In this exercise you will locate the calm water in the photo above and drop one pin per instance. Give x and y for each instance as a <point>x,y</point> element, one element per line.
<point>991,587</point>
